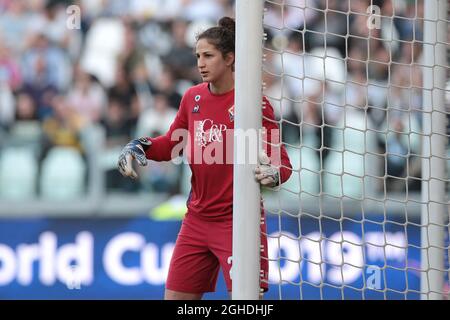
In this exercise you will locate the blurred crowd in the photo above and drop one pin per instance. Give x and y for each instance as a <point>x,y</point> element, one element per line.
<point>124,66</point>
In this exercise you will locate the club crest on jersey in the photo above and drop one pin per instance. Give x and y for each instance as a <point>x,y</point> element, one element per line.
<point>197,98</point>
<point>196,109</point>
<point>231,113</point>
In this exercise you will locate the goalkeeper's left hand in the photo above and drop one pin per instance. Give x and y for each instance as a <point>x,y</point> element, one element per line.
<point>266,174</point>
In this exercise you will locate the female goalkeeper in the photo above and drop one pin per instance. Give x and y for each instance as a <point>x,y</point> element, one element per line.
<point>206,114</point>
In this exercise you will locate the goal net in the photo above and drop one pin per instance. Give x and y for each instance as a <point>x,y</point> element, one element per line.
<point>361,93</point>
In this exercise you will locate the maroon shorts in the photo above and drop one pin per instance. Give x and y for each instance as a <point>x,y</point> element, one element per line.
<point>203,247</point>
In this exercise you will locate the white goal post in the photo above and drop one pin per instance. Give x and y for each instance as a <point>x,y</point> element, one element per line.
<point>246,195</point>
<point>434,145</point>
<point>361,93</point>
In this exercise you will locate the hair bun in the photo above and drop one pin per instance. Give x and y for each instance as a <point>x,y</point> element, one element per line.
<point>228,23</point>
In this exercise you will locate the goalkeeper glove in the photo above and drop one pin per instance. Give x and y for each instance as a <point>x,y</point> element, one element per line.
<point>266,174</point>
<point>135,149</point>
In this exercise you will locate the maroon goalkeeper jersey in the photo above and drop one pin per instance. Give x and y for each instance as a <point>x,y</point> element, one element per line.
<point>204,127</point>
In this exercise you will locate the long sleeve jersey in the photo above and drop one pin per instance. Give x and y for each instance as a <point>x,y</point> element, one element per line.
<point>203,130</point>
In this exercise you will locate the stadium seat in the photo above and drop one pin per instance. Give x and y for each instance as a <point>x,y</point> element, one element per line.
<point>18,173</point>
<point>63,174</point>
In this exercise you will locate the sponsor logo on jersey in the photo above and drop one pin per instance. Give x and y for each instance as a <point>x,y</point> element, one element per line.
<point>207,131</point>
<point>196,109</point>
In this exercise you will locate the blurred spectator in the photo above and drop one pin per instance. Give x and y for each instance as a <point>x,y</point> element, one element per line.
<point>289,15</point>
<point>396,149</point>
<point>356,58</point>
<point>181,58</point>
<point>6,102</point>
<point>15,25</point>
<point>125,93</point>
<point>42,94</point>
<point>156,120</point>
<point>132,53</point>
<point>46,64</point>
<point>282,105</point>
<point>166,85</point>
<point>62,128</point>
<point>26,129</point>
<point>399,22</point>
<point>158,176</point>
<point>195,10</point>
<point>161,177</point>
<point>159,10</point>
<point>329,27</point>
<point>87,98</point>
<point>9,81</point>
<point>118,130</point>
<point>117,127</point>
<point>292,65</point>
<point>114,8</point>
<point>9,67</point>
<point>25,108</point>
<point>122,89</point>
<point>155,37</point>
<point>51,20</point>
<point>139,78</point>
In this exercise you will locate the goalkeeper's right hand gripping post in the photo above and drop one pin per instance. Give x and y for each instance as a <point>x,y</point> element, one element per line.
<point>266,174</point>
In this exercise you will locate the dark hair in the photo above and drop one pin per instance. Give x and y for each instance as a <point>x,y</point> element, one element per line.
<point>222,36</point>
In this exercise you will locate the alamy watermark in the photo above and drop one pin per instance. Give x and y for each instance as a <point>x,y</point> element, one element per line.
<point>373,280</point>
<point>73,279</point>
<point>73,20</point>
<point>374,20</point>
<point>214,144</point>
